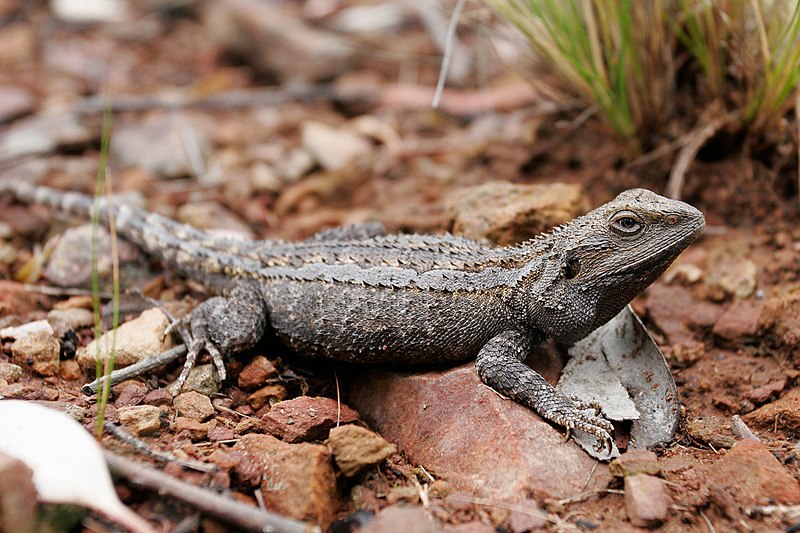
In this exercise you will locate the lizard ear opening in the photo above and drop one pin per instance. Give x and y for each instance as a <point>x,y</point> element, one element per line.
<point>572,267</point>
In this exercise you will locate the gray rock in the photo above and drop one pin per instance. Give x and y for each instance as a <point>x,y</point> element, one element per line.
<point>42,133</point>
<point>72,318</point>
<point>70,263</point>
<point>17,332</point>
<point>296,52</point>
<point>15,102</point>
<point>161,144</point>
<point>203,379</point>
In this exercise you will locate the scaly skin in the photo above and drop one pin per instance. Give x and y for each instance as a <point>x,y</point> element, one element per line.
<point>356,295</point>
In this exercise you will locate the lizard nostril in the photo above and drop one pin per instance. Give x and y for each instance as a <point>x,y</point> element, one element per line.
<point>672,220</point>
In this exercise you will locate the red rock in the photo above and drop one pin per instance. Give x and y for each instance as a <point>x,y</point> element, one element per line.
<point>783,413</point>
<point>28,391</point>
<point>131,394</point>
<point>256,373</point>
<point>635,462</point>
<point>306,418</point>
<point>765,392</point>
<point>194,405</point>
<point>526,516</point>
<point>646,500</point>
<point>196,431</point>
<point>407,518</point>
<point>298,479</point>
<point>221,433</point>
<point>454,425</point>
<point>667,306</point>
<point>17,495</point>
<point>267,396</point>
<point>158,397</point>
<point>740,321</point>
<point>753,476</point>
<point>475,526</point>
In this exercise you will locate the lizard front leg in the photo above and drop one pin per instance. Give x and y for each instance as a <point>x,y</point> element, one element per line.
<point>225,325</point>
<point>500,365</point>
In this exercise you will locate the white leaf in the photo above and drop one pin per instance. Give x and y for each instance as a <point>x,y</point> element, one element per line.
<point>68,465</point>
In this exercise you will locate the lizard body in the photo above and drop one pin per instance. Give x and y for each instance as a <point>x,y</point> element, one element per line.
<point>357,295</point>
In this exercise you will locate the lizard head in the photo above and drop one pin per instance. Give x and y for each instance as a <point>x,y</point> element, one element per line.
<point>614,252</point>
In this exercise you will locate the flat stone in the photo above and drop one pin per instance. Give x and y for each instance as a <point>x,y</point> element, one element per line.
<point>194,405</point>
<point>158,397</point>
<point>306,418</point>
<point>740,321</point>
<point>157,144</point>
<point>452,424</point>
<point>44,132</point>
<point>355,448</point>
<point>739,278</point>
<point>140,419</point>
<point>332,148</point>
<point>298,52</point>
<point>783,413</point>
<point>15,102</point>
<point>23,330</point>
<point>298,479</point>
<point>18,495</point>
<point>137,339</point>
<point>73,318</point>
<point>646,500</point>
<point>28,391</point>
<point>507,213</point>
<point>214,217</point>
<point>413,519</point>
<point>752,476</point>
<point>38,351</point>
<point>635,462</point>
<point>256,373</point>
<point>221,433</point>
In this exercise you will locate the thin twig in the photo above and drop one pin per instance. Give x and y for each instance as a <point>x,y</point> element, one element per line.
<point>139,445</point>
<point>448,53</point>
<point>226,509</point>
<point>696,139</point>
<point>136,369</point>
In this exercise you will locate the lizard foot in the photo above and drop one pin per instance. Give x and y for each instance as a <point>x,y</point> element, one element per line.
<point>195,346</point>
<point>576,417</point>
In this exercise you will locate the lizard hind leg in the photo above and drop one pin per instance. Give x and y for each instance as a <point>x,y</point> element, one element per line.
<point>224,326</point>
<point>500,365</point>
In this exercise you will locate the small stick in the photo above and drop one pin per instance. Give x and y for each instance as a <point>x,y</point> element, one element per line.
<point>230,511</point>
<point>135,370</point>
<point>137,444</point>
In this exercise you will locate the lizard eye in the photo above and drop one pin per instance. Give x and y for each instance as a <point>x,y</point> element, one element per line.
<point>626,223</point>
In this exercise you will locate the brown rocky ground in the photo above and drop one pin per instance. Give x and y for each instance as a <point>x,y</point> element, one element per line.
<point>208,129</point>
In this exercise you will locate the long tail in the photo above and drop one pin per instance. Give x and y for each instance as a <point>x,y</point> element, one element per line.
<point>184,247</point>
